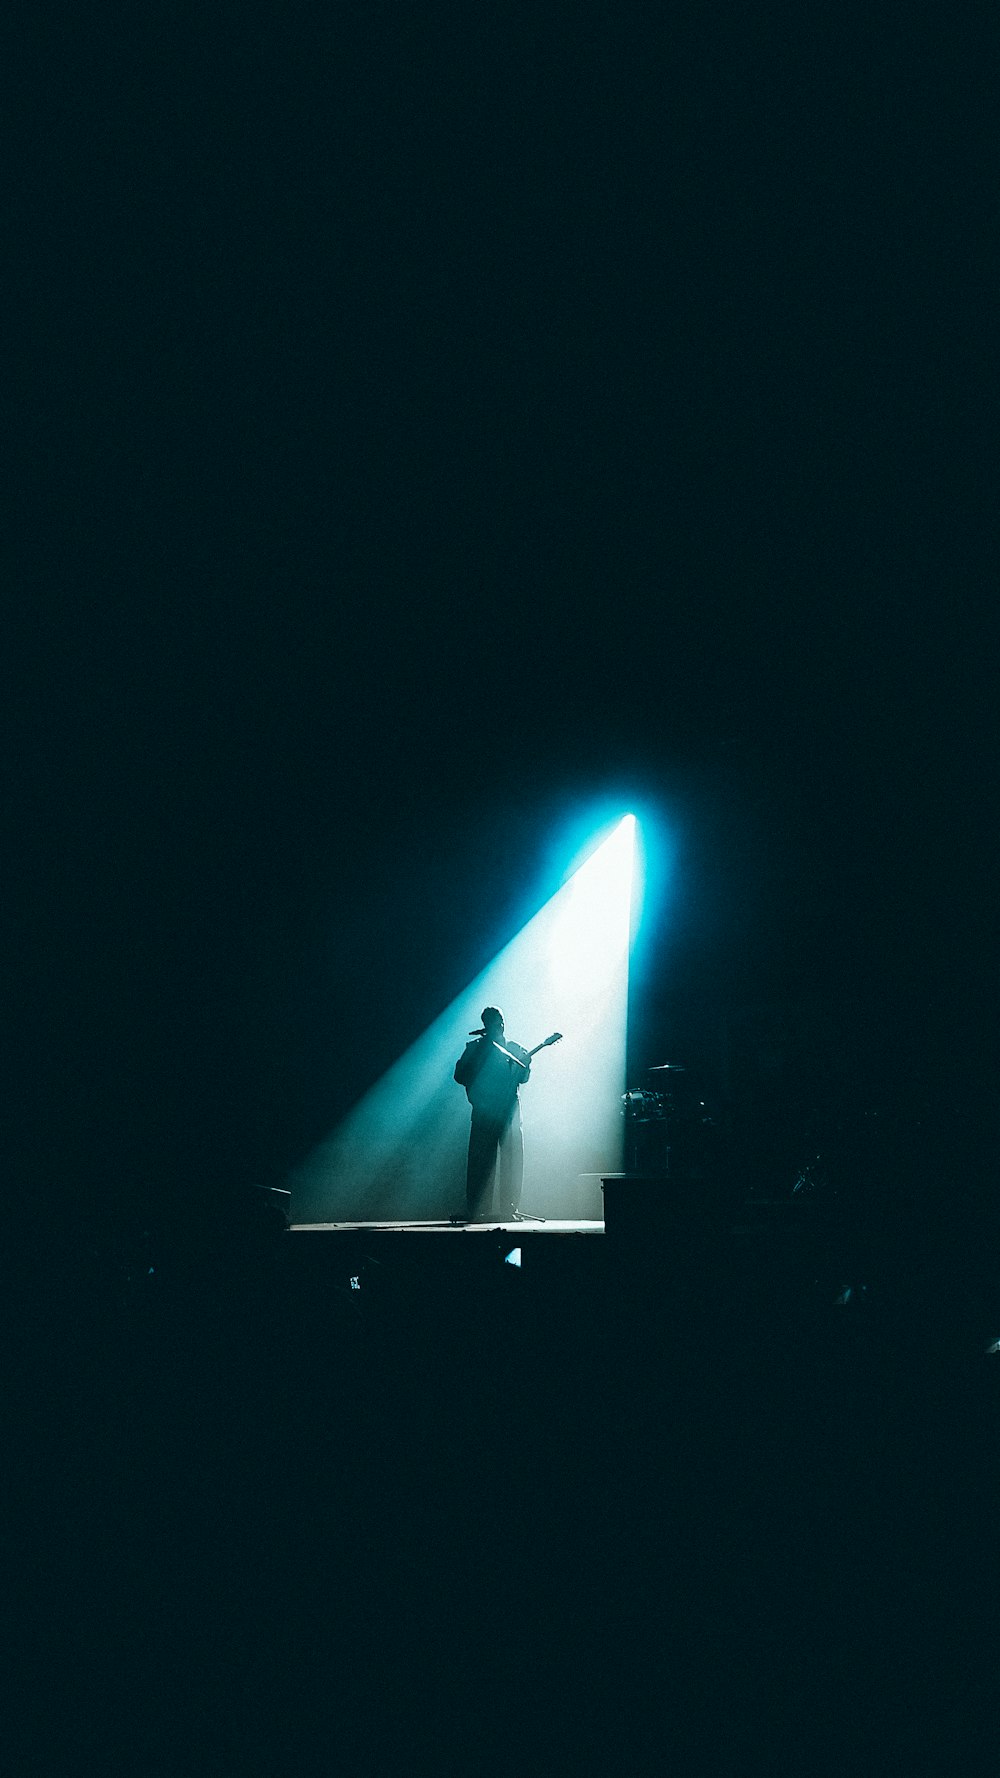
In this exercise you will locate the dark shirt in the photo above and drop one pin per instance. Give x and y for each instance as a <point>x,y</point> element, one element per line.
<point>490,1079</point>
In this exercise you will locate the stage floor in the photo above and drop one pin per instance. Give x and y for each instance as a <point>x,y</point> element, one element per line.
<point>525,1226</point>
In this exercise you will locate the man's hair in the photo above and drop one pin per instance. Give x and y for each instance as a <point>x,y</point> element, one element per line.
<point>491,1015</point>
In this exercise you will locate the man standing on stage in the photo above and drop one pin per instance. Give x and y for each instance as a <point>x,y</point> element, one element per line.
<point>491,1069</point>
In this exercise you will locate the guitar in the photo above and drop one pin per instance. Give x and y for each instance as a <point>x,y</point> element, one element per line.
<point>556,1037</point>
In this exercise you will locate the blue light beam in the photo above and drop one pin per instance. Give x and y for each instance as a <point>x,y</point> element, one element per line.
<point>400,1153</point>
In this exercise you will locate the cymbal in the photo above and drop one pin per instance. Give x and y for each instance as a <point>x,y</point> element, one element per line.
<point>661,1067</point>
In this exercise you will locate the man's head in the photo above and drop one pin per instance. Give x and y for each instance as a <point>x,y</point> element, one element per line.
<point>492,1019</point>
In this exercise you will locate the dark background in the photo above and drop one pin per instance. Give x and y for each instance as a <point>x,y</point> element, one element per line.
<point>423,421</point>
<point>424,424</point>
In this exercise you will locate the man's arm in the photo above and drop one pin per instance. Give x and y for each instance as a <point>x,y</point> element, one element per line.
<point>468,1064</point>
<point>521,1055</point>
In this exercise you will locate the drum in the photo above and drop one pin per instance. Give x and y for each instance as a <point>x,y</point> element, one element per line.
<point>643,1106</point>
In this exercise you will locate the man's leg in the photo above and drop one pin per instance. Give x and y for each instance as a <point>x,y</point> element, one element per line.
<point>511,1167</point>
<point>482,1166</point>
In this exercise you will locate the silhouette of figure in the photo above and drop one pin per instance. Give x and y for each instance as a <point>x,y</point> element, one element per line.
<point>491,1069</point>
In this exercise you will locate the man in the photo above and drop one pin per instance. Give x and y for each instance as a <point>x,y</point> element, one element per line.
<point>491,1069</point>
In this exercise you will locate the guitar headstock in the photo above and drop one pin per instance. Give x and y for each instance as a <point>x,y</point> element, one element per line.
<point>555,1038</point>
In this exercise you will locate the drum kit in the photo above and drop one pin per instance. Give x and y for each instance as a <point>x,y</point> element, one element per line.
<point>650,1115</point>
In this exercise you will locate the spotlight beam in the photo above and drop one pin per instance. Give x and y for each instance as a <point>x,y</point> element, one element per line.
<point>401,1151</point>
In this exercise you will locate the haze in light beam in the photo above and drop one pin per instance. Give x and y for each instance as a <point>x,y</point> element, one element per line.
<point>401,1151</point>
